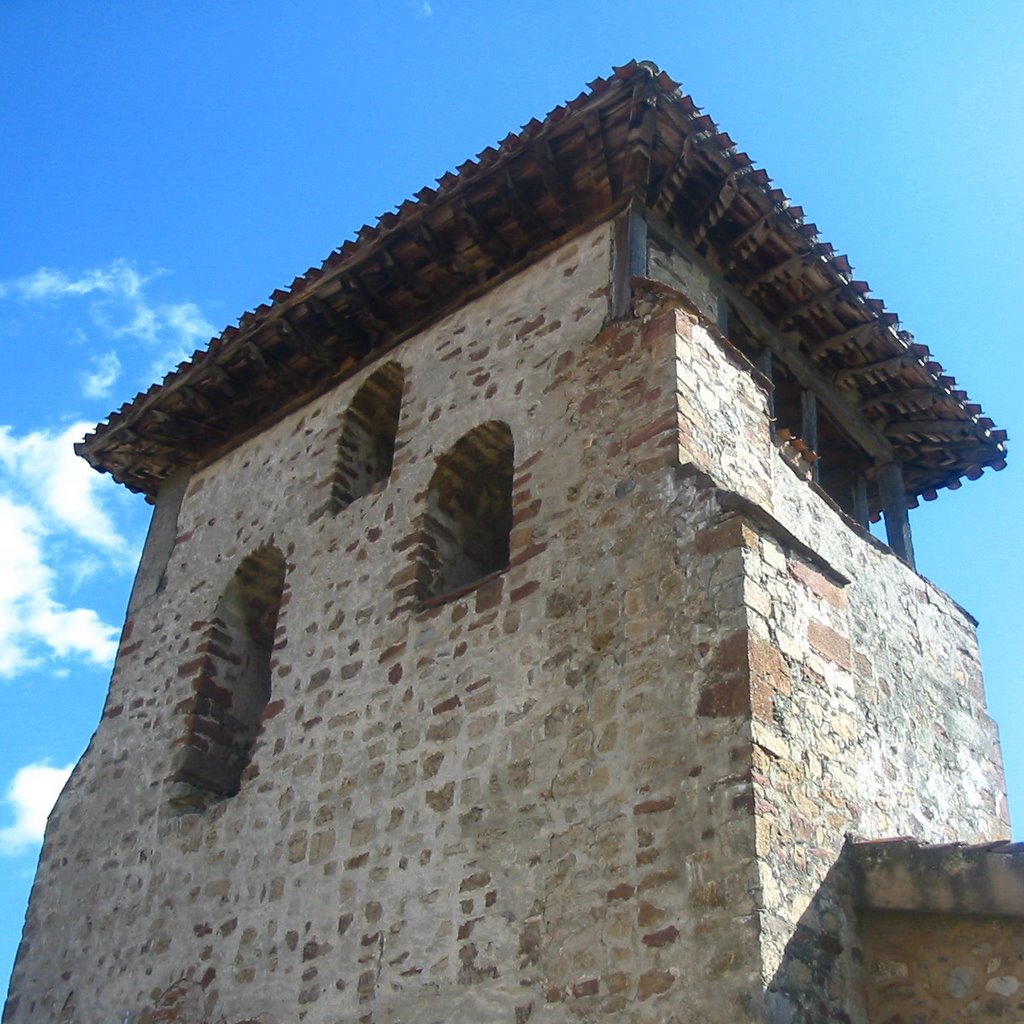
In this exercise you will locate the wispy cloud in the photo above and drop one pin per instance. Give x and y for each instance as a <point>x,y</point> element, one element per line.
<point>33,623</point>
<point>42,467</point>
<point>52,519</point>
<point>61,523</point>
<point>30,797</point>
<point>121,306</point>
<point>47,284</point>
<point>106,370</point>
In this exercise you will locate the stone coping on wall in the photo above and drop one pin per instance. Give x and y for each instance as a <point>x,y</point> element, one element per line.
<point>906,875</point>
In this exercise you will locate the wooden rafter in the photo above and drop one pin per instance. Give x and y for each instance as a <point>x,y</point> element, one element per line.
<point>639,151</point>
<point>716,206</point>
<point>298,339</point>
<point>798,261</point>
<point>889,367</point>
<point>682,160</point>
<point>839,341</point>
<point>445,256</point>
<point>726,255</point>
<point>919,398</point>
<point>559,184</point>
<point>952,429</point>
<point>597,150</point>
<point>822,300</point>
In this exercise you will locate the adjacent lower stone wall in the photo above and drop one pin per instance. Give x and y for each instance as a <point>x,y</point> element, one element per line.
<point>935,968</point>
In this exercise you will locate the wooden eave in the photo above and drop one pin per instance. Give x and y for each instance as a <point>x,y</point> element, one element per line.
<point>633,138</point>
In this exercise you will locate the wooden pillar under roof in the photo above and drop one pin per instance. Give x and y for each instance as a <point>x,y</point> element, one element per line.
<point>809,425</point>
<point>894,507</point>
<point>630,258</point>
<point>764,364</point>
<point>860,500</point>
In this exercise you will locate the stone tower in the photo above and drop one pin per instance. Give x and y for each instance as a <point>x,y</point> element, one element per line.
<point>509,643</point>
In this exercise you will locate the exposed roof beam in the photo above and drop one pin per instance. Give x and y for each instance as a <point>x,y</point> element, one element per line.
<point>884,368</point>
<point>268,363</point>
<point>490,242</point>
<point>558,183</point>
<point>350,333</point>
<point>953,429</point>
<point>717,205</point>
<point>298,338</point>
<point>597,149</point>
<point>176,421</point>
<point>920,398</point>
<point>639,149</point>
<point>196,400</point>
<point>797,261</point>
<point>524,212</point>
<point>823,300</point>
<point>682,160</point>
<point>727,258</point>
<point>445,255</point>
<point>220,376</point>
<point>839,341</point>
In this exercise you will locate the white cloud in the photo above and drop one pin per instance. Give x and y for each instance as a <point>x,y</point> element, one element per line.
<point>62,523</point>
<point>32,620</point>
<point>98,383</point>
<point>121,305</point>
<point>30,796</point>
<point>46,284</point>
<point>175,330</point>
<point>42,466</point>
<point>184,329</point>
<point>54,525</point>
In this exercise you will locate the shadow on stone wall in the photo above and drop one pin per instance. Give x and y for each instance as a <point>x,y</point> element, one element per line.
<point>904,931</point>
<point>819,978</point>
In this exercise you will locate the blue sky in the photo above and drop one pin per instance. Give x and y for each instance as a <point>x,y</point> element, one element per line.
<point>167,166</point>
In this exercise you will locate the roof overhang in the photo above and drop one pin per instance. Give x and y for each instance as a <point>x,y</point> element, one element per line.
<point>632,139</point>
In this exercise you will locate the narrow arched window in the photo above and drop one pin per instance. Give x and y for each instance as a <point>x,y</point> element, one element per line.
<point>231,686</point>
<point>468,518</point>
<point>366,446</point>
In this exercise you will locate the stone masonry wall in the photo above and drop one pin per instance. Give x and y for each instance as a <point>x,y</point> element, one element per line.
<point>608,783</point>
<point>504,806</point>
<point>935,968</point>
<point>864,688</point>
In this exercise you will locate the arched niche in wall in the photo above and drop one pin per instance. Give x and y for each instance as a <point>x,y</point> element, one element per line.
<point>468,518</point>
<point>231,686</point>
<point>366,446</point>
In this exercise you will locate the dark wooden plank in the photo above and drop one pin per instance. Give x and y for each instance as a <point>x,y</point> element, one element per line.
<point>839,341</point>
<point>860,500</point>
<point>629,259</point>
<point>809,425</point>
<point>883,368</point>
<point>894,507</point>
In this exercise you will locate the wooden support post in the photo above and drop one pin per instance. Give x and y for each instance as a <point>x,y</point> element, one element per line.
<point>722,313</point>
<point>630,259</point>
<point>163,528</point>
<point>809,425</point>
<point>860,500</point>
<point>764,364</point>
<point>894,507</point>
